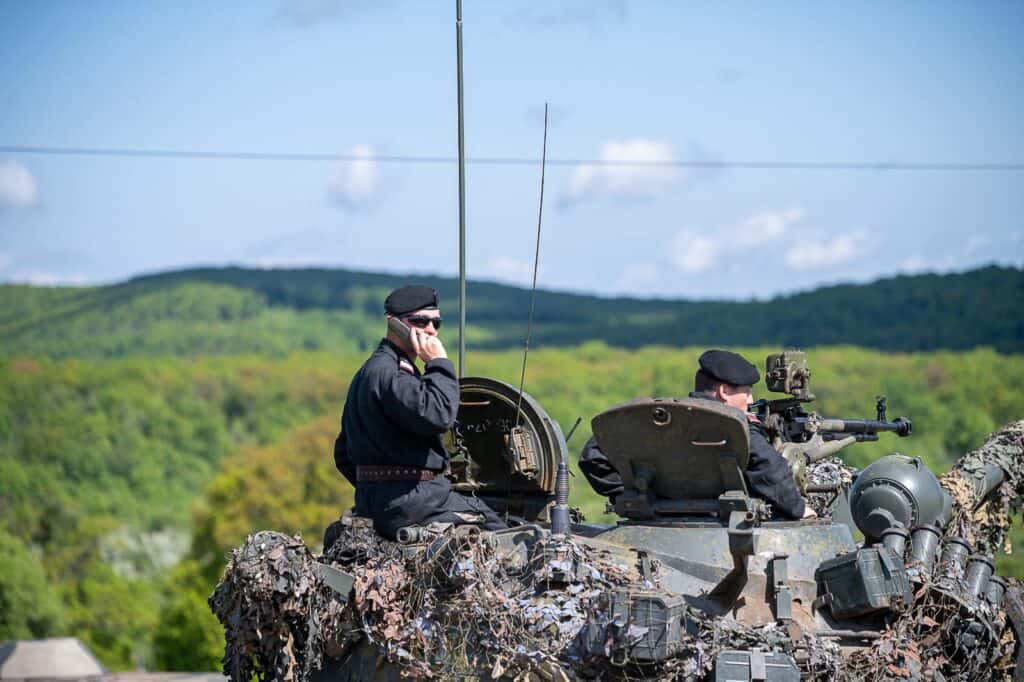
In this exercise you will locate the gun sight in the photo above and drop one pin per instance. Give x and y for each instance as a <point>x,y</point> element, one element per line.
<point>787,372</point>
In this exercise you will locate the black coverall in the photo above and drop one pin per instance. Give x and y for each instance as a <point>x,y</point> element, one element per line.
<point>768,474</point>
<point>396,416</point>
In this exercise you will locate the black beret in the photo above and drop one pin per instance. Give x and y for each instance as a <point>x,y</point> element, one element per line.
<point>409,298</point>
<point>731,368</point>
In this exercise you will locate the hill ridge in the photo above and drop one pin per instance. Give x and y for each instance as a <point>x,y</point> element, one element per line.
<point>229,310</point>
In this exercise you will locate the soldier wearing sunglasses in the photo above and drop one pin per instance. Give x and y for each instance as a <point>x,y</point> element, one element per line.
<point>390,447</point>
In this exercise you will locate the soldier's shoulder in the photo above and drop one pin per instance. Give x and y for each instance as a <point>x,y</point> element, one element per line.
<point>385,361</point>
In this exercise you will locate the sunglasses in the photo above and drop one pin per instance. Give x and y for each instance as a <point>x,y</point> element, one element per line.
<point>421,321</point>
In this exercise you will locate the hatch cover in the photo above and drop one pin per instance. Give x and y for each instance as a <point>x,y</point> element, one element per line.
<point>513,446</point>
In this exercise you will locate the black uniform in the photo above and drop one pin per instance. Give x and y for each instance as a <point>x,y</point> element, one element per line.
<point>768,474</point>
<point>396,416</point>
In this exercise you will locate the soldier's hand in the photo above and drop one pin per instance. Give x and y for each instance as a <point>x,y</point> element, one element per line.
<point>427,347</point>
<point>809,512</point>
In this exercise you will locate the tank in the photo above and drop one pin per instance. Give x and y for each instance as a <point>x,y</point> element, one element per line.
<point>696,579</point>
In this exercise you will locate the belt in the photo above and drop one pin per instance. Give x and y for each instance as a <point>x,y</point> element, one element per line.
<point>386,473</point>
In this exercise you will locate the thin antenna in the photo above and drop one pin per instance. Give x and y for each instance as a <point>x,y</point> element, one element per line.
<point>462,195</point>
<point>536,260</point>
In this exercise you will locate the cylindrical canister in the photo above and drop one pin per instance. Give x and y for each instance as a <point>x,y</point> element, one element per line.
<point>924,544</point>
<point>895,539</point>
<point>979,569</point>
<point>996,590</point>
<point>954,558</point>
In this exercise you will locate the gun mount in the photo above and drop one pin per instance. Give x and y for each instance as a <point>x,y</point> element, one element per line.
<point>805,437</point>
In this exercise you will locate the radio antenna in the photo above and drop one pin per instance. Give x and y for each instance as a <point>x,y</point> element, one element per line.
<point>462,194</point>
<point>536,260</point>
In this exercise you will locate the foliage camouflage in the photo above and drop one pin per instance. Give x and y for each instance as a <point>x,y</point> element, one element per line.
<point>985,526</point>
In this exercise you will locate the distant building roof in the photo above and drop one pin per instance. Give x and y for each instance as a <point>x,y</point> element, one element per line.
<point>165,677</point>
<point>68,660</point>
<point>65,658</point>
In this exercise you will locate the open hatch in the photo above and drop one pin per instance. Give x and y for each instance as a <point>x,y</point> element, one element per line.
<point>505,450</point>
<point>676,456</point>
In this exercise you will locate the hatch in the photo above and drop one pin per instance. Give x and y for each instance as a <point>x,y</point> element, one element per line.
<point>679,443</point>
<point>503,449</point>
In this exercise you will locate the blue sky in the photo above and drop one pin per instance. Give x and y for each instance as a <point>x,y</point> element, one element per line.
<point>871,82</point>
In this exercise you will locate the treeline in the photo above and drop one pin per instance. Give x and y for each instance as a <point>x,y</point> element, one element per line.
<point>224,311</point>
<point>124,483</point>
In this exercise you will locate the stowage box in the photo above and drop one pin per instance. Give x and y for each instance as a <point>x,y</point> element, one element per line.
<point>869,580</point>
<point>655,619</point>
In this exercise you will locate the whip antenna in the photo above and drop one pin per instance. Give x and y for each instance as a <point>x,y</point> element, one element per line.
<point>462,193</point>
<point>536,259</point>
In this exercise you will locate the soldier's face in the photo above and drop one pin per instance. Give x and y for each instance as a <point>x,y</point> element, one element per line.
<point>739,397</point>
<point>423,320</point>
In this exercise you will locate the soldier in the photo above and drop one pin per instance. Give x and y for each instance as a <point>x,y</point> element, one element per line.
<point>390,445</point>
<point>727,378</point>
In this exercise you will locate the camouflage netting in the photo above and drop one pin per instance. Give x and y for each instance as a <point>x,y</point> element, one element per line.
<point>938,638</point>
<point>986,526</point>
<point>831,471</point>
<point>456,607</point>
<point>264,602</point>
<point>460,608</point>
<point>463,606</point>
<point>460,604</point>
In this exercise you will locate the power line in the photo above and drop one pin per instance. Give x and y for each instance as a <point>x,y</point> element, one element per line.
<point>504,160</point>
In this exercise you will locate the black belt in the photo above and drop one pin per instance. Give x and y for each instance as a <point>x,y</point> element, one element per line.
<point>387,473</point>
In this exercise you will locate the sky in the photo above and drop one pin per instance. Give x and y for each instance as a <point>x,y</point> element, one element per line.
<point>356,84</point>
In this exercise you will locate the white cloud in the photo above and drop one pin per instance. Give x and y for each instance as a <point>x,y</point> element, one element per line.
<point>975,243</point>
<point>767,226</point>
<point>692,252</point>
<point>356,184</point>
<point>913,265</point>
<point>17,185</point>
<point>269,263</point>
<point>511,270</point>
<point>47,279</point>
<point>626,182</point>
<point>810,255</point>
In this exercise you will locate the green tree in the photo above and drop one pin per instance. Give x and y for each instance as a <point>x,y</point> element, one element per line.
<point>188,636</point>
<point>29,607</point>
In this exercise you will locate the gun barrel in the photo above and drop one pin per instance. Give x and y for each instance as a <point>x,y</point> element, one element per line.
<point>901,427</point>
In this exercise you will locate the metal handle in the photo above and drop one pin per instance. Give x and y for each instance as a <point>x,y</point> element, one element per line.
<point>709,444</point>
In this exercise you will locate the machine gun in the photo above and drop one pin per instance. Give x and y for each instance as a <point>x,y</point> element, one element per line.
<point>804,437</point>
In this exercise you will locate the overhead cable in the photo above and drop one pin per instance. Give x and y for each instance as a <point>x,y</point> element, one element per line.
<point>507,160</point>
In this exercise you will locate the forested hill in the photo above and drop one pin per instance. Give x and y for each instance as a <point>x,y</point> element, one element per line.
<point>237,310</point>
